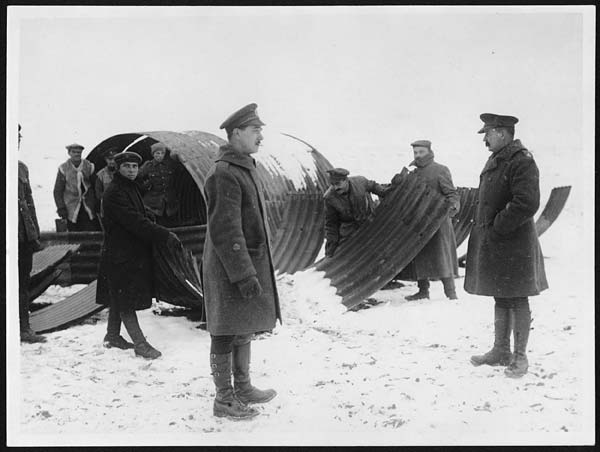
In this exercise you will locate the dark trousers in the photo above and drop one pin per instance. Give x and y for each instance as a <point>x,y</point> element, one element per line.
<point>83,222</point>
<point>25,259</point>
<point>516,303</point>
<point>448,283</point>
<point>221,345</point>
<point>129,319</point>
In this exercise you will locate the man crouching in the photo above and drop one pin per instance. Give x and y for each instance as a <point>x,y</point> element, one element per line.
<point>240,294</point>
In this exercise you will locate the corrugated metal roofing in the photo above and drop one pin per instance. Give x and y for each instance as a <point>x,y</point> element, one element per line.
<point>403,223</point>
<point>463,220</point>
<point>44,260</point>
<point>554,206</point>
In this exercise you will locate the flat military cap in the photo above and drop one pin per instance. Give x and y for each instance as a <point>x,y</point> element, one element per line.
<point>111,152</point>
<point>491,121</point>
<point>74,146</point>
<point>244,117</point>
<point>128,156</point>
<point>157,147</point>
<point>423,143</point>
<point>337,174</point>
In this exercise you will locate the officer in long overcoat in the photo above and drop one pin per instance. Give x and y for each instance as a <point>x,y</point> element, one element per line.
<point>437,259</point>
<point>504,258</point>
<point>240,294</point>
<point>125,274</point>
<point>348,204</point>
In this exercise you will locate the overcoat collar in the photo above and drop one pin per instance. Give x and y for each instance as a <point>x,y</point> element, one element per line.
<point>503,154</point>
<point>228,154</point>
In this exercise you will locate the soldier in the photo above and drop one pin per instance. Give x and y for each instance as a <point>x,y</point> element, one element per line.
<point>504,258</point>
<point>437,259</point>
<point>125,274</point>
<point>105,176</point>
<point>74,192</point>
<point>157,177</point>
<point>240,293</point>
<point>348,204</point>
<point>29,241</point>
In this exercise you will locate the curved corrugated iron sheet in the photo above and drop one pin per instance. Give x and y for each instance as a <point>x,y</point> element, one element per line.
<point>463,220</point>
<point>35,290</point>
<point>46,260</point>
<point>403,223</point>
<point>72,309</point>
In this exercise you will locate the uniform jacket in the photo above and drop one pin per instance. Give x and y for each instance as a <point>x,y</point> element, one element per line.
<point>345,213</point>
<point>29,230</point>
<point>125,274</point>
<point>236,247</point>
<point>504,258</point>
<point>103,179</point>
<point>73,189</point>
<point>438,257</point>
<point>157,180</point>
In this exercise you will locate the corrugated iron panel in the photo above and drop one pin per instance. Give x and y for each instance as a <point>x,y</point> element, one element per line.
<point>463,220</point>
<point>403,223</point>
<point>553,208</point>
<point>35,290</point>
<point>45,262</point>
<point>72,309</point>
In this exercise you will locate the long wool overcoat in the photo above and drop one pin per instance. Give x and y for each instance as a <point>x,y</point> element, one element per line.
<point>504,258</point>
<point>438,257</point>
<point>236,247</point>
<point>125,274</point>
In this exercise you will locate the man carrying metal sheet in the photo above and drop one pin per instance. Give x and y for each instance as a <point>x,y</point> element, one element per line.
<point>348,204</point>
<point>29,241</point>
<point>437,259</point>
<point>240,293</point>
<point>504,258</point>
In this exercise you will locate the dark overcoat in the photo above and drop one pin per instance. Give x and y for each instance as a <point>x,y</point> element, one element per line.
<point>125,274</point>
<point>345,213</point>
<point>236,247</point>
<point>504,258</point>
<point>438,257</point>
<point>157,180</point>
<point>29,229</point>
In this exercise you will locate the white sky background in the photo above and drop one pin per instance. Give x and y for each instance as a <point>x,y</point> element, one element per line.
<point>352,81</point>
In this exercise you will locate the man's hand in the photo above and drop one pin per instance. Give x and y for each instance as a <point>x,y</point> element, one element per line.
<point>249,287</point>
<point>330,248</point>
<point>62,212</point>
<point>452,212</point>
<point>397,179</point>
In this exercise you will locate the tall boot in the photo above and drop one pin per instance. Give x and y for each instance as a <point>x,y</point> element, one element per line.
<point>500,354</point>
<point>241,377</point>
<point>449,288</point>
<point>141,346</point>
<point>423,292</point>
<point>113,336</point>
<point>27,334</point>
<point>226,404</point>
<point>519,365</point>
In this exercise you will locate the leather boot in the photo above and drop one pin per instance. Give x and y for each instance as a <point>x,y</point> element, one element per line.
<point>113,338</point>
<point>519,365</point>
<point>500,354</point>
<point>29,336</point>
<point>226,404</point>
<point>423,292</point>
<point>244,390</point>
<point>141,346</point>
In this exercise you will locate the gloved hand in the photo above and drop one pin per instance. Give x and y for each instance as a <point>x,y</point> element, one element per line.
<point>172,240</point>
<point>452,212</point>
<point>249,287</point>
<point>397,179</point>
<point>330,248</point>
<point>62,212</point>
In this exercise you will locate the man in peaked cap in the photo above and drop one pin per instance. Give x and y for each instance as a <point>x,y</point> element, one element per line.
<point>240,293</point>
<point>437,259</point>
<point>125,274</point>
<point>504,258</point>
<point>348,204</point>
<point>105,176</point>
<point>74,191</point>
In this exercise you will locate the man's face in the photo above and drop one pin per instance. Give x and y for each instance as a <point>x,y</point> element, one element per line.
<point>340,186</point>
<point>494,139</point>
<point>128,170</point>
<point>110,162</point>
<point>420,151</point>
<point>249,139</point>
<point>75,154</point>
<point>159,155</point>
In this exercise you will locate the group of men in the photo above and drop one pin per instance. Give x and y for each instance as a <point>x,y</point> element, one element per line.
<point>240,294</point>
<point>78,189</point>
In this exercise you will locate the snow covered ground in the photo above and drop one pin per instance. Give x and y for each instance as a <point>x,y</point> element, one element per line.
<point>397,373</point>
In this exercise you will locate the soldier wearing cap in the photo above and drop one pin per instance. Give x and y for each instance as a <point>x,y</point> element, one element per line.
<point>504,258</point>
<point>125,274</point>
<point>74,191</point>
<point>240,293</point>
<point>348,204</point>
<point>105,176</point>
<point>29,242</point>
<point>437,259</point>
<point>157,178</point>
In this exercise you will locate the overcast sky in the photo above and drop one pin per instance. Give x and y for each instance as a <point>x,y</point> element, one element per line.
<point>349,80</point>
